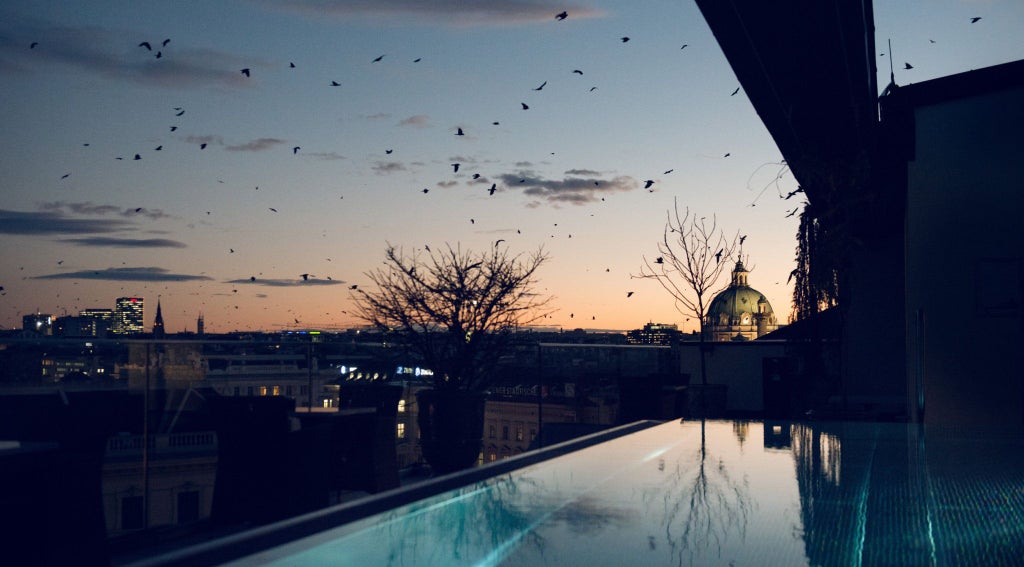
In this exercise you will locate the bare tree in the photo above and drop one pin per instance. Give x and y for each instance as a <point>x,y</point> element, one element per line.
<point>692,255</point>
<point>454,308</point>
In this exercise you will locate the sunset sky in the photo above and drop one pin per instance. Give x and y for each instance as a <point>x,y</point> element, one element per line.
<point>80,226</point>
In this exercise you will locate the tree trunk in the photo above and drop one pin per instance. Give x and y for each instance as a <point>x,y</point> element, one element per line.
<point>451,428</point>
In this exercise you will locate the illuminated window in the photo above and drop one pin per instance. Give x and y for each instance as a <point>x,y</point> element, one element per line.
<point>492,457</point>
<point>263,390</point>
<point>327,403</point>
<point>519,433</point>
<point>277,390</point>
<point>401,406</point>
<point>401,431</point>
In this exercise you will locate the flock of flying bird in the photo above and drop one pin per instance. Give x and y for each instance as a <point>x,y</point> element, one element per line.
<point>247,72</point>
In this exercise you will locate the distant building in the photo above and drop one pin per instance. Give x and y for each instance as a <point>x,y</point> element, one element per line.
<point>158,323</point>
<point>128,316</point>
<point>739,312</point>
<point>654,334</point>
<point>103,321</point>
<point>200,326</point>
<point>41,323</point>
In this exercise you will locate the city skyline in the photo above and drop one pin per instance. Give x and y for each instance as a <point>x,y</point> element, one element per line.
<point>341,136</point>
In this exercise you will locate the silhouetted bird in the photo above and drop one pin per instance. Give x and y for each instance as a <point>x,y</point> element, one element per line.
<point>252,278</point>
<point>137,157</point>
<point>742,238</point>
<point>648,183</point>
<point>629,294</point>
<point>165,42</point>
<point>159,54</point>
<point>202,146</point>
<point>718,256</point>
<point>353,286</point>
<point>472,221</point>
<point>245,71</point>
<point>272,209</point>
<point>592,89</point>
<point>561,16</point>
<point>65,176</point>
<point>295,150</point>
<point>624,39</point>
<point>146,45</point>
<point>975,19</point>
<point>425,190</point>
<point>494,187</point>
<point>525,107</point>
<point>180,113</point>
<point>541,86</point>
<point>727,154</point>
<point>417,60</point>
<point>305,277</point>
<point>577,71</point>
<point>460,132</point>
<point>735,91</point>
<point>33,45</point>
<point>791,213</point>
<point>668,172</point>
<point>173,128</point>
<point>377,59</point>
<point>335,84</point>
<point>476,176</point>
<point>455,166</point>
<point>907,66</point>
<point>291,65</point>
<point>158,148</point>
<point>231,250</point>
<point>685,45</point>
<point>659,260</point>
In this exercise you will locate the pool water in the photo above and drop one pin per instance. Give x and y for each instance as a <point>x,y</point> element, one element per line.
<point>714,493</point>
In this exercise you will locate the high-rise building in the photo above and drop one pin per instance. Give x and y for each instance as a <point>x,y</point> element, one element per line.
<point>128,316</point>
<point>41,323</point>
<point>103,320</point>
<point>200,326</point>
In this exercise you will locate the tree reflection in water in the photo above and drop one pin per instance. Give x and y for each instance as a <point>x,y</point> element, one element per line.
<point>702,505</point>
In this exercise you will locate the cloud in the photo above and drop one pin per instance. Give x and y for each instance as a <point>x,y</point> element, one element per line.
<point>326,156</point>
<point>89,208</point>
<point>384,168</point>
<point>148,274</point>
<point>417,120</point>
<point>379,116</point>
<point>126,242</point>
<point>450,12</point>
<point>277,282</point>
<point>589,172</point>
<point>52,222</point>
<point>114,54</point>
<point>256,145</point>
<point>448,183</point>
<point>573,190</point>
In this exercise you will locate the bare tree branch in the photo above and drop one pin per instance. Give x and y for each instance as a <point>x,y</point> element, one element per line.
<point>454,308</point>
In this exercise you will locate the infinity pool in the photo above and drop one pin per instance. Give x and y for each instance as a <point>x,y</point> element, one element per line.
<point>713,493</point>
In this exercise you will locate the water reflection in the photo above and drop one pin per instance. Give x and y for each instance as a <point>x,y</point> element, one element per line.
<point>717,493</point>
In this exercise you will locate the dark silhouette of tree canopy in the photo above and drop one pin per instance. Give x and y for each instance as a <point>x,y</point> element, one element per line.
<point>455,309</point>
<point>692,255</point>
<point>817,276</point>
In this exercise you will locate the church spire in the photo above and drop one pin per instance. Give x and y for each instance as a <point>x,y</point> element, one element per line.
<point>158,322</point>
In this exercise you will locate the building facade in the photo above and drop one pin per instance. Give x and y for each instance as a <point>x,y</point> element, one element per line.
<point>128,316</point>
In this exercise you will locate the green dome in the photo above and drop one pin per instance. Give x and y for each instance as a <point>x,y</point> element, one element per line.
<point>739,304</point>
<point>734,302</point>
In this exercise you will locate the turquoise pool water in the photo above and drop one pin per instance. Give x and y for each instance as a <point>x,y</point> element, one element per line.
<point>714,493</point>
